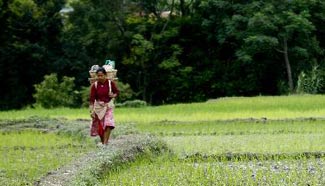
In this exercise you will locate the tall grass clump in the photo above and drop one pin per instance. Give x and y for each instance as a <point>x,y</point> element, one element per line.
<point>311,82</point>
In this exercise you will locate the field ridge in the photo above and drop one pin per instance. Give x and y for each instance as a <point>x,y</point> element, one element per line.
<point>251,156</point>
<point>89,168</point>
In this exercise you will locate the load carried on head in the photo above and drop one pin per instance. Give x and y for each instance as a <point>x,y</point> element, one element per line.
<point>109,67</point>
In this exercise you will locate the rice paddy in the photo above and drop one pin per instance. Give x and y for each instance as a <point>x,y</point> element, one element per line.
<point>229,141</point>
<point>246,141</point>
<point>26,156</point>
<point>168,171</point>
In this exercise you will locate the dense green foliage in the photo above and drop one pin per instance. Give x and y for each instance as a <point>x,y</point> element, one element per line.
<point>132,103</point>
<point>311,82</point>
<point>30,47</point>
<point>52,93</point>
<point>167,51</point>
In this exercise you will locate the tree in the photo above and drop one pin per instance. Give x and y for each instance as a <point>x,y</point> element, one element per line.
<point>284,27</point>
<point>140,55</point>
<point>29,46</point>
<point>93,32</point>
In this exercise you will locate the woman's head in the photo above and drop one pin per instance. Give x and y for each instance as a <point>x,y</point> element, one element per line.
<point>101,74</point>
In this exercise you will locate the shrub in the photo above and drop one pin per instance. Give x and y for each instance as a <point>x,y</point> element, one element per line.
<point>126,93</point>
<point>85,96</point>
<point>51,93</point>
<point>311,82</point>
<point>133,103</point>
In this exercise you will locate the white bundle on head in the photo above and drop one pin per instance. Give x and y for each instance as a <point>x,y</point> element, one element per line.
<point>108,67</point>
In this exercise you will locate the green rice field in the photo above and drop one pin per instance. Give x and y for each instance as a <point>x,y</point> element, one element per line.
<point>169,171</point>
<point>270,107</point>
<point>28,155</point>
<point>264,140</point>
<point>239,141</point>
<point>232,153</point>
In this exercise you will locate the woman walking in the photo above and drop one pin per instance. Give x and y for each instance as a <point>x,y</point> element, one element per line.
<point>101,106</point>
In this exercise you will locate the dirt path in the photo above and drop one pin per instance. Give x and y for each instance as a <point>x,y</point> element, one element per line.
<point>64,174</point>
<point>86,169</point>
<point>124,145</point>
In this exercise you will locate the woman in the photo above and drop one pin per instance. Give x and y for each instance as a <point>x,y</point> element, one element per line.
<point>101,93</point>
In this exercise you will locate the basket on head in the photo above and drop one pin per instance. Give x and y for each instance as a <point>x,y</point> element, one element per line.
<point>110,63</point>
<point>92,71</point>
<point>110,69</point>
<point>111,74</point>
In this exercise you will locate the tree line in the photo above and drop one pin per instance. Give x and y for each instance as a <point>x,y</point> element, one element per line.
<point>168,51</point>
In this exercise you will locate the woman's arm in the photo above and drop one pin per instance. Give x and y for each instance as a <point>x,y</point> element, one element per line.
<point>92,97</point>
<point>115,89</point>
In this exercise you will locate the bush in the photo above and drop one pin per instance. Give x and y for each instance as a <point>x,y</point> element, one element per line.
<point>311,82</point>
<point>126,93</point>
<point>50,93</point>
<point>85,91</point>
<point>134,103</point>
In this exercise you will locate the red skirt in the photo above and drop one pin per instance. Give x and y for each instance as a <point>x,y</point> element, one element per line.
<point>98,126</point>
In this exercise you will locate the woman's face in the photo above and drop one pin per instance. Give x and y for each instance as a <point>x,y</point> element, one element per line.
<point>101,76</point>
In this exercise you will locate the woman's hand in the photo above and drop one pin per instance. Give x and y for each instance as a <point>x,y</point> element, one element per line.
<point>92,114</point>
<point>112,95</point>
<point>91,111</point>
<point>91,107</point>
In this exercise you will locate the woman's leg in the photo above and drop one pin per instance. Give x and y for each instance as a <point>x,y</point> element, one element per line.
<point>107,134</point>
<point>102,139</point>
<point>101,132</point>
<point>109,119</point>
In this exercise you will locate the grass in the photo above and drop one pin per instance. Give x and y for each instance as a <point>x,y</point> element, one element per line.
<point>266,143</point>
<point>198,128</point>
<point>218,137</point>
<point>228,109</point>
<point>67,113</point>
<point>263,125</point>
<point>169,171</point>
<point>181,169</point>
<point>28,155</point>
<point>271,107</point>
<point>287,134</point>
